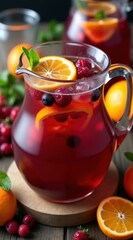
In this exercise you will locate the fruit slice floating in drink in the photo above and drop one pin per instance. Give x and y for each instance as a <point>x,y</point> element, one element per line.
<point>53,67</point>
<point>54,110</point>
<point>100,28</point>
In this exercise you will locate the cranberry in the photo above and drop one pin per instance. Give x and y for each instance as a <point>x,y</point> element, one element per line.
<point>5,131</point>
<point>12,227</point>
<point>83,63</point>
<point>23,230</point>
<point>6,149</point>
<point>28,220</point>
<point>62,96</point>
<point>3,139</point>
<point>6,111</point>
<point>14,112</point>
<point>61,117</point>
<point>48,99</point>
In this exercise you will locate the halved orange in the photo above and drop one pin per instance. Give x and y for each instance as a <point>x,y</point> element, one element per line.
<point>94,7</point>
<point>54,110</point>
<point>53,67</point>
<point>100,30</point>
<point>115,217</point>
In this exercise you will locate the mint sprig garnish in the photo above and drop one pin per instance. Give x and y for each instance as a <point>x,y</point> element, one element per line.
<point>32,56</point>
<point>100,15</point>
<point>5,181</point>
<point>129,156</point>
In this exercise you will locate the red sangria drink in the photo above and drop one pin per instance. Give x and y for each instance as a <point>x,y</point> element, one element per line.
<point>63,137</point>
<point>103,24</point>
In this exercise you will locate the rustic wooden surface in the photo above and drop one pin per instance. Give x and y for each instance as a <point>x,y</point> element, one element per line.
<point>43,232</point>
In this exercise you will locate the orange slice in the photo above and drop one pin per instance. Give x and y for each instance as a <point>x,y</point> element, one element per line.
<point>100,30</point>
<point>115,217</point>
<point>53,67</point>
<point>54,110</point>
<point>94,7</point>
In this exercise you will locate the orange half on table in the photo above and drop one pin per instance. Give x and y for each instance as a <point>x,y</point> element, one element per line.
<point>115,217</point>
<point>100,30</point>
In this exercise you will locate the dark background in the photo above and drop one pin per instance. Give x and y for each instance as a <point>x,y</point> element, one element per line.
<point>48,9</point>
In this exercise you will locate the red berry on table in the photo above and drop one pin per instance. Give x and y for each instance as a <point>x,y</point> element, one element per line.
<point>6,149</point>
<point>12,227</point>
<point>5,130</point>
<point>23,230</point>
<point>6,110</point>
<point>81,234</point>
<point>28,220</point>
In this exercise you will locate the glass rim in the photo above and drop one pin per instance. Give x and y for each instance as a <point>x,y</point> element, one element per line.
<point>23,70</point>
<point>11,12</point>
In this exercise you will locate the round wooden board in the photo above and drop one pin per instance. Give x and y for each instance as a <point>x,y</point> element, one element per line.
<point>61,215</point>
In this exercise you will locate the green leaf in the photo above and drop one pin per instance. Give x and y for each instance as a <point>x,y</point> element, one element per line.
<point>32,56</point>
<point>100,15</point>
<point>129,156</point>
<point>5,182</point>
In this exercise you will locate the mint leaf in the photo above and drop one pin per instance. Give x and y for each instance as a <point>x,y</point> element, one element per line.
<point>5,182</point>
<point>100,15</point>
<point>32,56</point>
<point>129,156</point>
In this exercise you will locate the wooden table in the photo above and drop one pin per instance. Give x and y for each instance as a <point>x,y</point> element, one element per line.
<point>41,232</point>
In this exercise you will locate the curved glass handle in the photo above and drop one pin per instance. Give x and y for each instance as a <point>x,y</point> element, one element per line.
<point>115,70</point>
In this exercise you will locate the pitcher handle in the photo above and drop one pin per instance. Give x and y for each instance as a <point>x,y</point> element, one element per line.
<point>116,70</point>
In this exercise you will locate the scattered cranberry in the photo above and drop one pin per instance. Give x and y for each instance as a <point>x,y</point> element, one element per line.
<point>23,230</point>
<point>6,111</point>
<point>12,227</point>
<point>28,220</point>
<point>14,112</point>
<point>62,96</point>
<point>48,99</point>
<point>6,149</point>
<point>5,130</point>
<point>81,234</point>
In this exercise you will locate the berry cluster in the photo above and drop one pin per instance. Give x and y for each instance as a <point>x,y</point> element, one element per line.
<point>23,229</point>
<point>62,96</point>
<point>7,116</point>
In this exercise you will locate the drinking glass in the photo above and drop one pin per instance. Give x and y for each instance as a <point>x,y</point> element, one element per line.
<point>64,151</point>
<point>17,25</point>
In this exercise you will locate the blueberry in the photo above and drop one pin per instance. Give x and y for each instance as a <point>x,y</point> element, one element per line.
<point>96,95</point>
<point>48,99</point>
<point>73,141</point>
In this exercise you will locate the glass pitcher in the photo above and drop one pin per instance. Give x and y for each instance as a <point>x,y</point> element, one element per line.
<point>103,24</point>
<point>63,138</point>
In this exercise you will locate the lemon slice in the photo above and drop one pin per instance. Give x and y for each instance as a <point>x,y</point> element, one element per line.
<point>100,30</point>
<point>53,67</point>
<point>54,110</point>
<point>94,7</point>
<point>115,217</point>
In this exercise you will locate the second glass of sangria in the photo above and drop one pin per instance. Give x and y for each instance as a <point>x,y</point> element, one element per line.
<point>103,24</point>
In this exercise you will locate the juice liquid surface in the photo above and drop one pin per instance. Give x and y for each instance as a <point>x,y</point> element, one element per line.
<point>117,47</point>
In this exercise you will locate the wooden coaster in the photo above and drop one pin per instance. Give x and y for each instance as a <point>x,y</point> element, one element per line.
<point>61,215</point>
